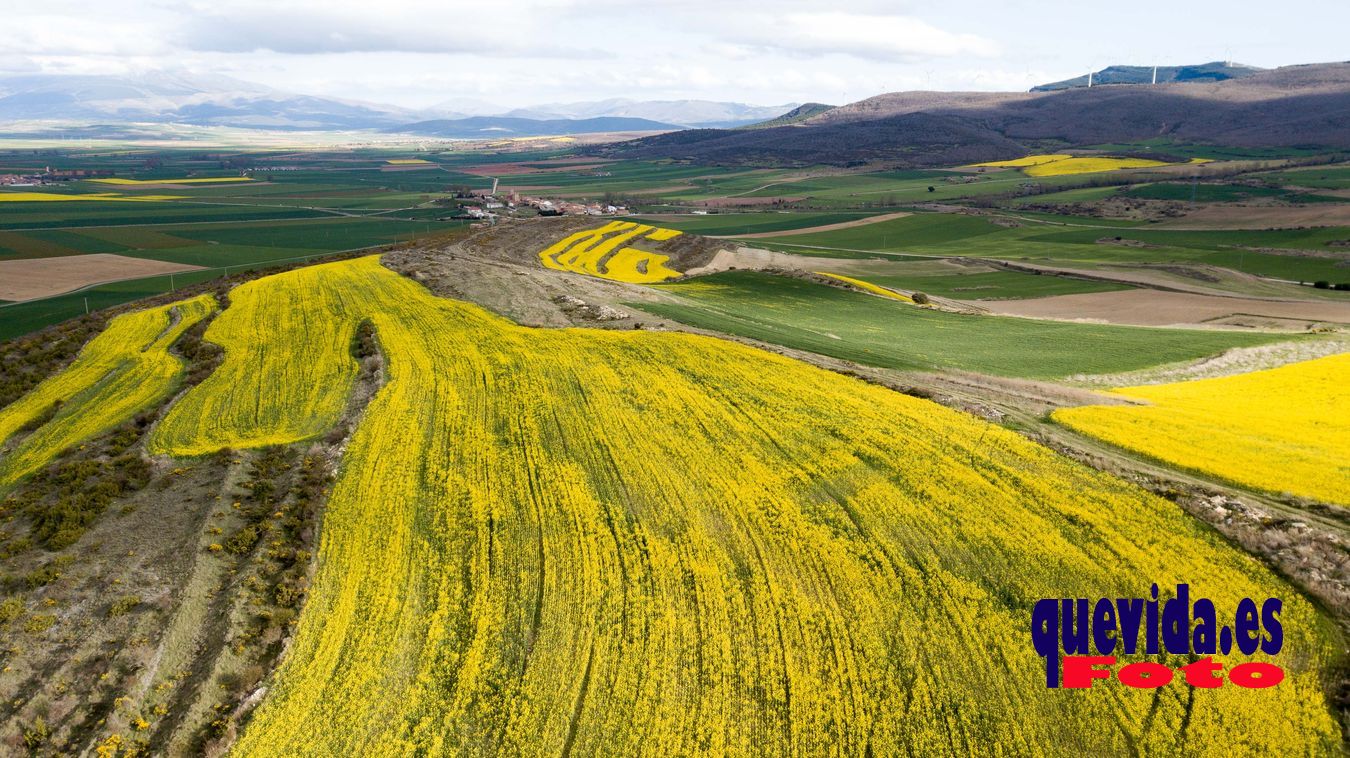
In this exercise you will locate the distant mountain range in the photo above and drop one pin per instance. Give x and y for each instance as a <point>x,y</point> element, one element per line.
<point>487,127</point>
<point>173,98</point>
<point>1303,106</point>
<point>1204,72</point>
<point>687,113</point>
<point>181,99</point>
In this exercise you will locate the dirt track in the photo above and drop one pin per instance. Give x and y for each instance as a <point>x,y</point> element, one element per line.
<point>814,229</point>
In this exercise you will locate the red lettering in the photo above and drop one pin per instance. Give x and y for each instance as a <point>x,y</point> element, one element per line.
<point>1204,673</point>
<point>1079,670</point>
<point>1254,675</point>
<point>1145,675</point>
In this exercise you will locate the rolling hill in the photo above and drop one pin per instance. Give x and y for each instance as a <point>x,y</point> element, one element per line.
<point>1205,72</point>
<point>1291,106</point>
<point>794,116</point>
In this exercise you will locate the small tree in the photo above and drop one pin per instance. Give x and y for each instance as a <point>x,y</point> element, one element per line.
<point>919,298</point>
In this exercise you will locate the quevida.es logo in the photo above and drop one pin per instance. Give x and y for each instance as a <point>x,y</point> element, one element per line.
<point>1082,639</point>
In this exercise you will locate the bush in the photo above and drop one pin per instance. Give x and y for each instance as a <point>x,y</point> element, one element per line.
<point>36,735</point>
<point>39,622</point>
<point>123,606</point>
<point>243,540</point>
<point>919,298</point>
<point>10,610</point>
<point>1322,284</point>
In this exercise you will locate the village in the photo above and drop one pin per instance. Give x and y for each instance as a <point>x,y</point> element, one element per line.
<point>487,204</point>
<point>50,176</point>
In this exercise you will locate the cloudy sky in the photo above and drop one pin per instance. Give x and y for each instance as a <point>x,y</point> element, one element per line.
<point>418,53</point>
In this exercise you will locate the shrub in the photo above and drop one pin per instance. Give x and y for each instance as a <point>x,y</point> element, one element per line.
<point>37,734</point>
<point>919,298</point>
<point>10,610</point>
<point>123,606</point>
<point>39,622</point>
<point>243,540</point>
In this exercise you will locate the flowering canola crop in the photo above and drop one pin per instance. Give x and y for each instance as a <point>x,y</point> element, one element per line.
<point>866,286</point>
<point>1284,429</point>
<point>597,252</point>
<point>627,543</point>
<point>125,369</point>
<point>1063,165</point>
<point>312,363</point>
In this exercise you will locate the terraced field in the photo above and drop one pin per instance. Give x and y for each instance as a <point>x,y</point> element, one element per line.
<point>1284,430</point>
<point>555,541</point>
<point>121,371</point>
<point>603,252</point>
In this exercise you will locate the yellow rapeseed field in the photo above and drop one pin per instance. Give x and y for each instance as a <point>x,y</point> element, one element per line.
<point>1063,165</point>
<point>600,252</point>
<point>1030,160</point>
<point>406,161</point>
<point>123,370</point>
<point>1285,429</point>
<point>866,286</point>
<point>545,542</point>
<point>229,408</point>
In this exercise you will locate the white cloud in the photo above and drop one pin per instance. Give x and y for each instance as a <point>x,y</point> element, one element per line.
<point>521,52</point>
<point>872,37</point>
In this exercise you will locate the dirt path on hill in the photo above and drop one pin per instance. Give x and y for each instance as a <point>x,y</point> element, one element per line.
<point>814,229</point>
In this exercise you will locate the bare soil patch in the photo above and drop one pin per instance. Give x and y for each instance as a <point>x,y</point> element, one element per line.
<point>31,278</point>
<point>1145,307</point>
<point>755,258</point>
<point>1227,216</point>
